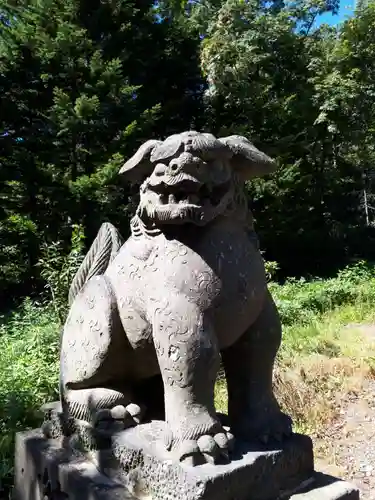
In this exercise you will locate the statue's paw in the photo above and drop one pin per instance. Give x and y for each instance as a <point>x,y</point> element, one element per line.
<point>208,448</point>
<point>265,427</point>
<point>279,427</point>
<point>121,417</point>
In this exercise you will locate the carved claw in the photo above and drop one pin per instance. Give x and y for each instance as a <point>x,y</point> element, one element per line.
<point>231,441</point>
<point>207,445</point>
<point>221,440</point>
<point>128,416</point>
<point>136,412</point>
<point>118,412</point>
<point>206,449</point>
<point>188,451</point>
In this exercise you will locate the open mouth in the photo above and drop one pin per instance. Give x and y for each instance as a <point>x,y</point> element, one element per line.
<point>189,192</point>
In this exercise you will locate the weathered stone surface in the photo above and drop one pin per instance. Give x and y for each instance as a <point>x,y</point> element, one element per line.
<point>46,470</point>
<point>324,487</point>
<point>261,472</point>
<point>186,290</point>
<point>149,323</point>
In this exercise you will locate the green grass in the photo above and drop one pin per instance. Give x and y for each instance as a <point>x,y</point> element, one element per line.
<point>29,340</point>
<point>319,362</point>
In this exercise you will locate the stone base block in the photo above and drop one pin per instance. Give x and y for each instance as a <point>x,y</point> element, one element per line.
<point>134,469</point>
<point>264,473</point>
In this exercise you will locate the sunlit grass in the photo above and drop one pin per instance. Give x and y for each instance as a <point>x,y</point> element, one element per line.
<point>29,341</point>
<point>325,354</point>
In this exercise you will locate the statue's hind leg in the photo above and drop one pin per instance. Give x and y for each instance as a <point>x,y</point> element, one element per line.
<point>94,351</point>
<point>252,407</point>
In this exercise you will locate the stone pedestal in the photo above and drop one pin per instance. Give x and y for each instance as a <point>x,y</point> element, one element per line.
<point>136,467</point>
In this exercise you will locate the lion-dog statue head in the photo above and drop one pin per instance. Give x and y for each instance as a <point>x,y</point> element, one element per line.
<point>191,177</point>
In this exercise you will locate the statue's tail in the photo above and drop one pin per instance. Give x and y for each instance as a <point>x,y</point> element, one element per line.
<point>103,250</point>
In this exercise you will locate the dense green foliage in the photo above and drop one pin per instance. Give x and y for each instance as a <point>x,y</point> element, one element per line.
<point>84,83</point>
<point>29,369</point>
<point>304,300</point>
<point>300,94</point>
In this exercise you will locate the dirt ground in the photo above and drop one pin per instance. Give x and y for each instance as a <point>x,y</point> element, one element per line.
<point>348,448</point>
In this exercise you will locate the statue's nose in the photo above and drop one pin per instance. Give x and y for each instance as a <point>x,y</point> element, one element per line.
<point>175,167</point>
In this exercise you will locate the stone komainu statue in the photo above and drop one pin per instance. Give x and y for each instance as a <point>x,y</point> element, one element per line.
<point>187,289</point>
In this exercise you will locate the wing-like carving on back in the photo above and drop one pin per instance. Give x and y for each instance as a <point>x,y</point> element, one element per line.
<point>103,250</point>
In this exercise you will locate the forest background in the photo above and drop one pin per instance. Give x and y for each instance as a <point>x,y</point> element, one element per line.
<point>84,83</point>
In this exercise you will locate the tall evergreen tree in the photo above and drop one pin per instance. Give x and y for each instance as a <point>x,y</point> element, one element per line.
<point>269,75</point>
<point>82,84</point>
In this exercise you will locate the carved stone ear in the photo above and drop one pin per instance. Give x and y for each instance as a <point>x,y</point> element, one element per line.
<point>139,166</point>
<point>247,160</point>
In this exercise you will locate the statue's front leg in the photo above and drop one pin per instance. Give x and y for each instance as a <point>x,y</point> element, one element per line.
<point>188,356</point>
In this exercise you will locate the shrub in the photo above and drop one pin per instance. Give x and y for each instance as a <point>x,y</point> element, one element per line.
<point>58,269</point>
<point>29,343</point>
<point>299,301</point>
